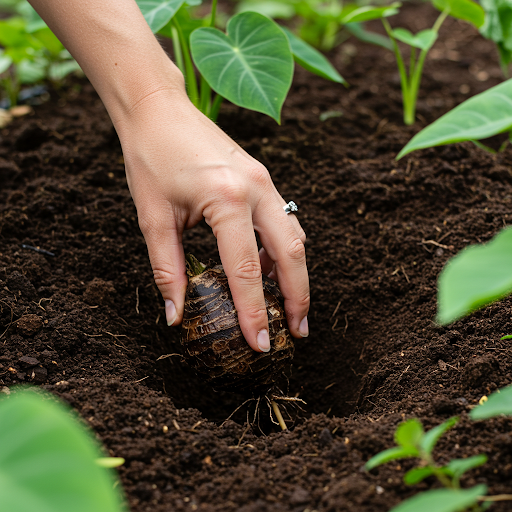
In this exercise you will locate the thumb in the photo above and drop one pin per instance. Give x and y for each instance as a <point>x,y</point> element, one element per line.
<point>167,259</point>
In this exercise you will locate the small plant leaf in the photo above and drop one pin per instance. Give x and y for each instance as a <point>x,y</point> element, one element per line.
<point>409,433</point>
<point>271,8</point>
<point>466,10</point>
<point>48,460</point>
<point>430,439</point>
<point>397,452</point>
<point>475,277</point>
<point>500,402</point>
<point>356,14</point>
<point>482,116</point>
<point>506,337</point>
<point>310,59</point>
<point>422,40</point>
<point>30,72</point>
<point>442,500</point>
<point>251,65</point>
<point>5,62</point>
<point>416,475</point>
<point>457,467</point>
<point>110,462</point>
<point>159,12</point>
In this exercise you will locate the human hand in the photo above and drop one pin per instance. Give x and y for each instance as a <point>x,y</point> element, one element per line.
<point>180,168</point>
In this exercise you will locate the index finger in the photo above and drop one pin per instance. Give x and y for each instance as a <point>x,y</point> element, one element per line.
<point>238,251</point>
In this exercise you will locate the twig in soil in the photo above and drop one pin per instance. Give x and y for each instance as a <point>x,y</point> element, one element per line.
<point>137,301</point>
<point>11,321</point>
<point>175,423</point>
<point>165,356</point>
<point>37,249</point>
<point>497,497</point>
<point>405,275</point>
<point>336,310</point>
<point>140,380</point>
<point>437,244</point>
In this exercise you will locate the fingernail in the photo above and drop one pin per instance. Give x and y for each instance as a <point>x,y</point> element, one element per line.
<point>170,312</point>
<point>304,328</point>
<point>263,340</point>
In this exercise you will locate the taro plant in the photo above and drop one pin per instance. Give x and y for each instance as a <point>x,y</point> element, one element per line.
<point>49,462</point>
<point>413,442</point>
<point>251,64</point>
<point>420,45</point>
<point>323,24</point>
<point>30,52</point>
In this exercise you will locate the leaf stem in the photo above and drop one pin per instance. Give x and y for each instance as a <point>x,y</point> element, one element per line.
<point>214,111</point>
<point>178,54</point>
<point>190,75</point>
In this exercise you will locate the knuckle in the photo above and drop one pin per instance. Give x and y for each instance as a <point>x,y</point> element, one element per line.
<point>259,176</point>
<point>166,277</point>
<point>296,250</point>
<point>232,191</point>
<point>249,270</point>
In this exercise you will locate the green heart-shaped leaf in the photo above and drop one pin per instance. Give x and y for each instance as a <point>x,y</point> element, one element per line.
<point>355,14</point>
<point>463,9</point>
<point>159,12</point>
<point>477,276</point>
<point>251,65</point>
<point>422,40</point>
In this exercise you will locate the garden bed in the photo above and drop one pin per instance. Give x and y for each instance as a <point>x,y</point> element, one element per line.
<point>87,322</point>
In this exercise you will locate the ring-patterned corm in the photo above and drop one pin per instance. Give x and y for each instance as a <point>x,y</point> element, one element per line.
<point>291,207</point>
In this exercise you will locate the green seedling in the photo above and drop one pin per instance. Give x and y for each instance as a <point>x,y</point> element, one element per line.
<point>474,278</point>
<point>499,403</point>
<point>498,28</point>
<point>325,25</point>
<point>484,115</point>
<point>30,53</point>
<point>423,41</point>
<point>250,64</point>
<point>49,462</point>
<point>506,337</point>
<point>413,442</point>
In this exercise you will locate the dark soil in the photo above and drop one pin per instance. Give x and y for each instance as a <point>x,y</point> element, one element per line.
<point>379,232</point>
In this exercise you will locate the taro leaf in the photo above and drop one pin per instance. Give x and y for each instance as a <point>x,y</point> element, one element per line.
<point>466,10</point>
<point>356,14</point>
<point>251,65</point>
<point>310,59</point>
<point>430,439</point>
<point>159,12</point>
<point>422,40</point>
<point>442,500</point>
<point>498,27</point>
<point>397,452</point>
<point>482,116</point>
<point>498,403</point>
<point>59,70</point>
<point>48,460</point>
<point>30,72</point>
<point>271,8</point>
<point>416,475</point>
<point>358,30</point>
<point>5,62</point>
<point>457,467</point>
<point>409,433</point>
<point>475,277</point>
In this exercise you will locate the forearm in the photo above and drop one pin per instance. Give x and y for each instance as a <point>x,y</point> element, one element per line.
<point>115,48</point>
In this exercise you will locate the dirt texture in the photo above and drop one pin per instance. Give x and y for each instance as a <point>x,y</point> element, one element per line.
<point>86,322</point>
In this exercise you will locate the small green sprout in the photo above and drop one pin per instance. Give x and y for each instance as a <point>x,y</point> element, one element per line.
<point>497,404</point>
<point>413,442</point>
<point>410,79</point>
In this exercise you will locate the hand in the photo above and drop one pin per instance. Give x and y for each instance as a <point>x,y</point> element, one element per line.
<point>180,168</point>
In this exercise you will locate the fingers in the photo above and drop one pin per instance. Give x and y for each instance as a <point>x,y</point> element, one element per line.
<point>283,241</point>
<point>232,225</point>
<point>168,262</point>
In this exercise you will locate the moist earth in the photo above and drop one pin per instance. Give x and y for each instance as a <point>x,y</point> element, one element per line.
<point>85,321</point>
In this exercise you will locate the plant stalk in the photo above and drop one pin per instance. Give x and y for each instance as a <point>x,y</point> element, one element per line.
<point>278,414</point>
<point>190,75</point>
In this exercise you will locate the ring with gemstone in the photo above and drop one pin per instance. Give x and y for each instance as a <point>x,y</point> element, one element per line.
<point>291,207</point>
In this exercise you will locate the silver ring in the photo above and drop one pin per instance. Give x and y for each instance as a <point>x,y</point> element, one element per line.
<point>291,207</point>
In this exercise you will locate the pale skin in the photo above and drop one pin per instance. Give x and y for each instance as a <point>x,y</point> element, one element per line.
<point>181,167</point>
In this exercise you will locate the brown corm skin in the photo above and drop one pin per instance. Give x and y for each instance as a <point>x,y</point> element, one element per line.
<point>213,342</point>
